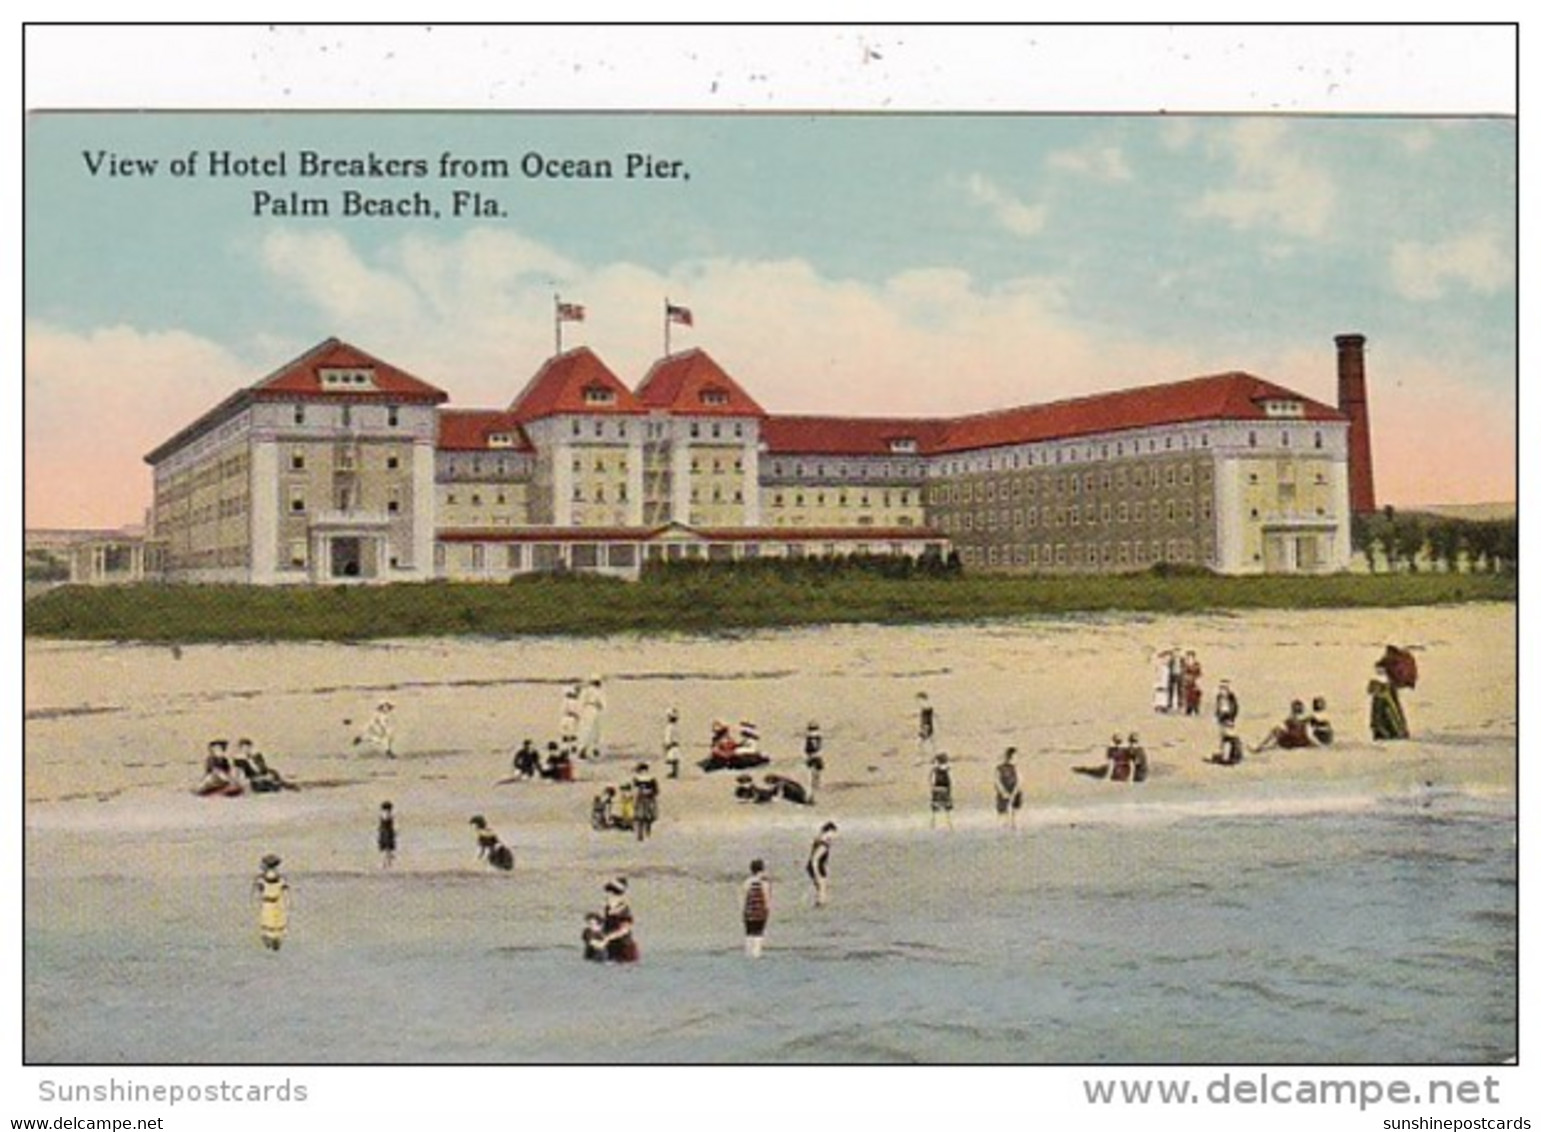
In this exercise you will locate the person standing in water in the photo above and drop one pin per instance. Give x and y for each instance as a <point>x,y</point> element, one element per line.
<point>272,893</point>
<point>757,908</point>
<point>941,789</point>
<point>818,863</point>
<point>385,838</point>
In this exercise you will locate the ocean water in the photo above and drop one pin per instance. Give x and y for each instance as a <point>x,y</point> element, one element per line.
<point>1387,934</point>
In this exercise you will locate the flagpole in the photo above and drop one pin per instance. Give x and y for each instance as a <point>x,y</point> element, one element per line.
<point>666,326</point>
<point>556,311</point>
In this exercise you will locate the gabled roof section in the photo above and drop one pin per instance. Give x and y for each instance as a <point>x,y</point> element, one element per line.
<point>1218,397</point>
<point>306,377</point>
<point>850,436</point>
<point>691,383</point>
<point>574,382</point>
<point>473,430</point>
<point>302,379</point>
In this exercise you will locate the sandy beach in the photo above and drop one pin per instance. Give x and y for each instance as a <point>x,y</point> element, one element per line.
<point>114,837</point>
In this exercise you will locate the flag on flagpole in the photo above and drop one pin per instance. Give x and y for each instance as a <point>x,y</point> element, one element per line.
<point>570,312</point>
<point>680,315</point>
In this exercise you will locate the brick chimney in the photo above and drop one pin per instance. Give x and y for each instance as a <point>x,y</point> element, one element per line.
<point>1353,403</point>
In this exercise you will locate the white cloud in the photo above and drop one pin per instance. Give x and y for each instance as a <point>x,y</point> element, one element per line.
<point>1010,212</point>
<point>1102,163</point>
<point>98,401</point>
<point>1480,261</point>
<point>1273,186</point>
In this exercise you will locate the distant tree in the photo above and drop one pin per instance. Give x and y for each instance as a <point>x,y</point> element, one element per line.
<point>1446,538</point>
<point>1506,544</point>
<point>1409,536</point>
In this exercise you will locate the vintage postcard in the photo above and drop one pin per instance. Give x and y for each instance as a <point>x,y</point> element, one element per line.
<point>770,588</point>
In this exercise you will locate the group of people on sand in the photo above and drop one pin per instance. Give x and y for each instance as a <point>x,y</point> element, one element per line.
<point>770,788</point>
<point>225,776</point>
<point>734,752</point>
<point>632,807</point>
<point>1177,690</point>
<point>556,766</point>
<point>1125,761</point>
<point>1299,728</point>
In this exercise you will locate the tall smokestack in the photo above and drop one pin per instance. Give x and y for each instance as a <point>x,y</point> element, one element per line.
<point>1352,403</point>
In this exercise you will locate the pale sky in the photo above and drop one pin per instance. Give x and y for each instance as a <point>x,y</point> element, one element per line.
<point>858,264</point>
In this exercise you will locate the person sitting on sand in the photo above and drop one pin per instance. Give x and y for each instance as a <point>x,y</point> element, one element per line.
<point>1113,754</point>
<point>264,779</point>
<point>788,790</point>
<point>217,771</point>
<point>625,814</point>
<point>941,789</point>
<point>1318,723</point>
<point>381,732</point>
<point>526,761</point>
<point>594,938</point>
<point>1120,761</point>
<point>1229,753</point>
<point>1138,763</point>
<point>1292,734</point>
<point>559,765</point>
<point>601,813</point>
<point>744,790</point>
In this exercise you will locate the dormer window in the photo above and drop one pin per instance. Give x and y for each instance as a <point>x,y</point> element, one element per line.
<point>714,395</point>
<point>598,395</point>
<point>348,378</point>
<point>500,440</point>
<point>1284,408</point>
<point>902,444</point>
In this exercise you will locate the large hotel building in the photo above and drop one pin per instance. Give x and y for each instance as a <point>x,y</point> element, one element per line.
<point>340,467</point>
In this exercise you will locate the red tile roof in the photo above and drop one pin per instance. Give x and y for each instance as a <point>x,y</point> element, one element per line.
<point>1223,396</point>
<point>302,378</point>
<point>560,386</point>
<point>470,430</point>
<point>846,436</point>
<point>692,383</point>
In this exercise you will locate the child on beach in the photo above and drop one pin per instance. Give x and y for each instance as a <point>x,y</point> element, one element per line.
<point>272,893</point>
<point>818,863</point>
<point>757,907</point>
<point>941,789</point>
<point>594,938</point>
<point>385,837</point>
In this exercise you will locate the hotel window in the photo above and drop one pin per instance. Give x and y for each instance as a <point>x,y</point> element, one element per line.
<point>392,416</point>
<point>299,414</point>
<point>296,500</point>
<point>347,416</point>
<point>297,460</point>
<point>297,553</point>
<point>1318,440</point>
<point>1139,512</point>
<point>577,428</point>
<point>1251,440</point>
<point>393,462</point>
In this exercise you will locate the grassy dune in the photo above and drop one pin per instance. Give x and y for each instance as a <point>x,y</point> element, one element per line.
<point>695,600</point>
